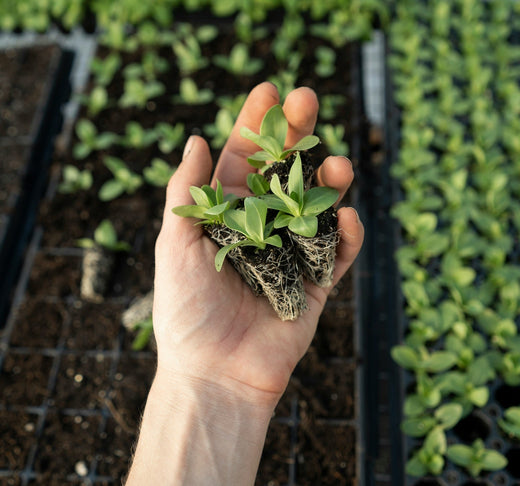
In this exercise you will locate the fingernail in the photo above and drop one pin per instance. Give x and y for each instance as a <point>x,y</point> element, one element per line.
<point>347,159</point>
<point>357,216</point>
<point>188,146</point>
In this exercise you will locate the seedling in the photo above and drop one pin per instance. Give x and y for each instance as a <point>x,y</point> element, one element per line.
<point>326,65</point>
<point>220,130</point>
<point>250,222</point>
<point>169,136</point>
<point>144,333</point>
<point>299,209</point>
<point>189,54</point>
<point>476,458</point>
<point>150,66</point>
<point>138,92</point>
<point>137,137</point>
<point>105,69</point>
<point>239,62</point>
<point>210,204</point>
<point>158,173</point>
<point>190,94</point>
<point>333,137</point>
<point>105,236</point>
<point>445,417</point>
<point>510,424</point>
<point>90,139</point>
<point>273,132</point>
<point>75,180</point>
<point>96,101</point>
<point>430,457</point>
<point>124,181</point>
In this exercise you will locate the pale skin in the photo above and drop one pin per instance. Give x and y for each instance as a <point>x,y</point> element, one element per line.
<point>224,357</point>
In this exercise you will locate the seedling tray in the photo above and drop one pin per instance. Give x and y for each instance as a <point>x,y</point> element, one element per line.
<point>35,84</point>
<point>71,388</point>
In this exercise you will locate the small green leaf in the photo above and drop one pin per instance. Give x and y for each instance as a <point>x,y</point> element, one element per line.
<point>217,210</point>
<point>439,361</point>
<point>274,124</point>
<point>189,211</point>
<point>418,426</point>
<point>236,220</point>
<point>200,197</point>
<point>222,253</point>
<point>448,415</point>
<point>257,184</point>
<point>110,190</point>
<point>105,234</point>
<point>405,357</point>
<point>256,211</point>
<point>282,220</point>
<point>295,185</point>
<point>460,454</point>
<point>306,143</point>
<point>493,460</point>
<point>318,199</point>
<point>304,225</point>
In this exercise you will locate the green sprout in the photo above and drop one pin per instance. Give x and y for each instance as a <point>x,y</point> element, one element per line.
<point>210,204</point>
<point>105,236</point>
<point>90,139</point>
<point>124,180</point>
<point>251,222</point>
<point>273,132</point>
<point>158,173</point>
<point>476,457</point>
<point>510,424</point>
<point>75,180</point>
<point>190,94</point>
<point>299,209</point>
<point>238,62</point>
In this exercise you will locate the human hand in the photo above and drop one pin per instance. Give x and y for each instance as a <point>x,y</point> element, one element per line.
<point>210,328</point>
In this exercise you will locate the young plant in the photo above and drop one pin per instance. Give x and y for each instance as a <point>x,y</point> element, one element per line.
<point>137,137</point>
<point>273,132</point>
<point>429,459</point>
<point>250,222</point>
<point>169,137</point>
<point>90,139</point>
<point>144,333</point>
<point>138,93</point>
<point>476,458</point>
<point>220,130</point>
<point>510,424</point>
<point>150,66</point>
<point>96,101</point>
<point>190,94</point>
<point>445,417</point>
<point>326,65</point>
<point>158,173</point>
<point>333,137</point>
<point>124,181</point>
<point>238,62</point>
<point>189,54</point>
<point>104,70</point>
<point>105,236</point>
<point>75,180</point>
<point>210,205</point>
<point>299,209</point>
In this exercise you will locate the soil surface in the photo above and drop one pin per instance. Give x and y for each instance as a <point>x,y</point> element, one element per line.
<point>71,387</point>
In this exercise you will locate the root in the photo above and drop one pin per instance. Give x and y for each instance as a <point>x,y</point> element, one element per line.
<point>316,257</point>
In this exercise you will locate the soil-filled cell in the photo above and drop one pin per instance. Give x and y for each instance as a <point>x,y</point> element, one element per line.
<point>24,379</point>
<point>54,275</point>
<point>133,379</point>
<point>276,457</point>
<point>82,382</point>
<point>326,455</point>
<point>513,459</point>
<point>326,387</point>
<point>38,323</point>
<point>335,334</point>
<point>343,291</point>
<point>475,426</point>
<point>93,326</point>
<point>17,436</point>
<point>66,441</point>
<point>116,448</point>
<point>14,480</point>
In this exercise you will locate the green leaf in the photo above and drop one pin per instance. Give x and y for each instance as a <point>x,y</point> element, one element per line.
<point>267,143</point>
<point>460,454</point>
<point>449,415</point>
<point>222,253</point>
<point>217,210</point>
<point>274,240</point>
<point>479,396</point>
<point>305,143</point>
<point>304,225</point>
<point>405,357</point>
<point>236,220</point>
<point>189,211</point>
<point>219,193</point>
<point>110,190</point>
<point>414,467</point>
<point>493,460</point>
<point>435,442</point>
<point>200,197</point>
<point>418,426</point>
<point>439,361</point>
<point>256,211</point>
<point>275,125</point>
<point>282,220</point>
<point>257,184</point>
<point>295,185</point>
<point>318,199</point>
<point>259,159</point>
<point>115,165</point>
<point>105,234</point>
<point>276,188</point>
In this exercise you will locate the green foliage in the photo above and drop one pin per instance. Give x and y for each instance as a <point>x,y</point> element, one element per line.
<point>105,236</point>
<point>144,333</point>
<point>138,92</point>
<point>333,137</point>
<point>239,61</point>
<point>158,173</point>
<point>90,139</point>
<point>326,61</point>
<point>169,136</point>
<point>510,424</point>
<point>124,180</point>
<point>476,458</point>
<point>220,130</point>
<point>299,209</point>
<point>273,132</point>
<point>104,70</point>
<point>191,94</point>
<point>75,180</point>
<point>250,222</point>
<point>210,204</point>
<point>96,100</point>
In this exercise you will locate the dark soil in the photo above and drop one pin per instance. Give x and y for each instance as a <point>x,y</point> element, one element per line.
<point>71,388</point>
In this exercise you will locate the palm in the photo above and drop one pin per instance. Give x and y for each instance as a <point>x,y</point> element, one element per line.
<point>215,316</point>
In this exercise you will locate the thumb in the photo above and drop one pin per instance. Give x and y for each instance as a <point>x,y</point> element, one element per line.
<point>194,170</point>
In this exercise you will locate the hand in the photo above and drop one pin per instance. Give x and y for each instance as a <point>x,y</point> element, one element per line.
<point>210,328</point>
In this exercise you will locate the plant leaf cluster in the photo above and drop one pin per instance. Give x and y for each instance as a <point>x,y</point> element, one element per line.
<point>458,173</point>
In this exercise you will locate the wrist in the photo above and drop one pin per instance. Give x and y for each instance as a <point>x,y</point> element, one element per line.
<point>198,433</point>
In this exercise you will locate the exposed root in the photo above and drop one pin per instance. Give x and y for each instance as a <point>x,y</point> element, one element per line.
<point>316,256</point>
<point>97,268</point>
